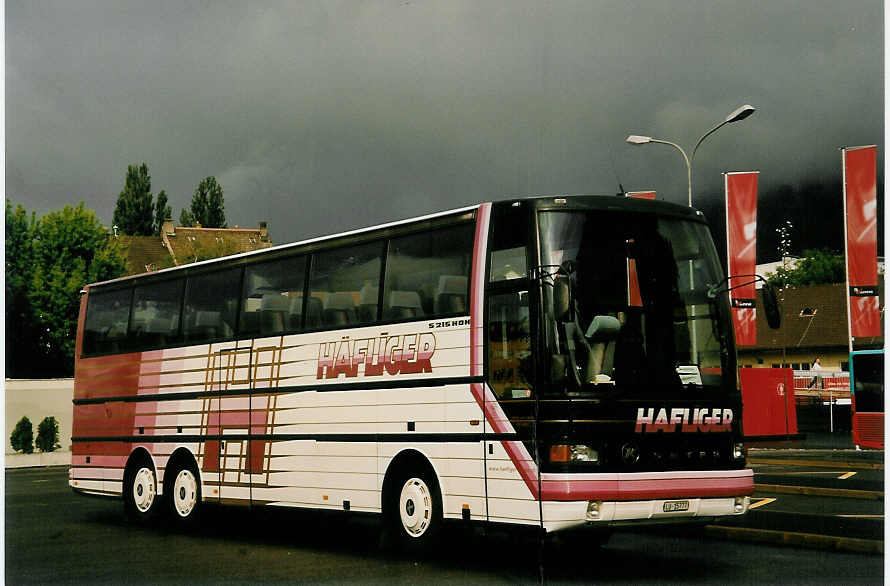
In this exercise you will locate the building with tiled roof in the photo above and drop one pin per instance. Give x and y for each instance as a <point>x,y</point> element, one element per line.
<point>187,245</point>
<point>144,253</point>
<point>814,323</point>
<point>178,245</point>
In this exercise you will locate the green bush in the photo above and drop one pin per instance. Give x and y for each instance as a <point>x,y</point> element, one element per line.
<point>22,438</point>
<point>48,435</point>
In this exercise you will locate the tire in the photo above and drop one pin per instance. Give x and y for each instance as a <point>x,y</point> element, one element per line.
<point>414,511</point>
<point>183,492</point>
<point>141,499</point>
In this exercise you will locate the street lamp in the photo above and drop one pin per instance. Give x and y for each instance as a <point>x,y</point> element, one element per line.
<point>739,113</point>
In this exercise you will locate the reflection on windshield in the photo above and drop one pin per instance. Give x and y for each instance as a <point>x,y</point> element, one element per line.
<point>629,305</point>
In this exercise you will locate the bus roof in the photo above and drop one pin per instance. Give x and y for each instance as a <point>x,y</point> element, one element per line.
<point>546,201</point>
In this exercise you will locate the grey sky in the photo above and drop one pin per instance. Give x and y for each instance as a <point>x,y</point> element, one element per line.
<point>329,115</point>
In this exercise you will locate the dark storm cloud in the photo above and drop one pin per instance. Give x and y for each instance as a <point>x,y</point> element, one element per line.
<point>324,116</point>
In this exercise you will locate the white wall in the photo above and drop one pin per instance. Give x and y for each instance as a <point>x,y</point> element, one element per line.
<point>38,399</point>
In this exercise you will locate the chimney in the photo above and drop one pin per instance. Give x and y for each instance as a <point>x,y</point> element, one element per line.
<point>264,232</point>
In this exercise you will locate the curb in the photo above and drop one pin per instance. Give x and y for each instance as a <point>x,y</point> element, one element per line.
<point>873,495</point>
<point>850,465</point>
<point>791,539</point>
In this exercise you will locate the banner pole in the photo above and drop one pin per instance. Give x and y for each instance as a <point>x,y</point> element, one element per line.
<point>846,250</point>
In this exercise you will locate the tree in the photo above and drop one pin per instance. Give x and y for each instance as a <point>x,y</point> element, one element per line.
<point>818,267</point>
<point>133,212</point>
<point>186,218</point>
<point>48,435</point>
<point>208,206</point>
<point>19,268</point>
<point>163,212</point>
<point>66,250</point>
<point>22,437</point>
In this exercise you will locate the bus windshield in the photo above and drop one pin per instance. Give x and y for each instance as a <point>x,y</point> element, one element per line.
<point>638,316</point>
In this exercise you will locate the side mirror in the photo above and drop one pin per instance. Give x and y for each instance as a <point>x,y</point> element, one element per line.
<point>771,306</point>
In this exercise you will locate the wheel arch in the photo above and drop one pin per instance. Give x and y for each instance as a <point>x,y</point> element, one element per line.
<point>407,459</point>
<point>139,454</point>
<point>182,456</point>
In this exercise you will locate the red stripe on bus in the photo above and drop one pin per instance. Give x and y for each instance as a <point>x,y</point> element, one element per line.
<point>477,293</point>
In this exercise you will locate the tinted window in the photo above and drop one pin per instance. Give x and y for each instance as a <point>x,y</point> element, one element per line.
<point>211,305</point>
<point>156,310</point>
<point>273,297</point>
<point>509,348</point>
<point>868,382</point>
<point>344,286</point>
<point>427,274</point>
<point>508,240</point>
<point>105,329</point>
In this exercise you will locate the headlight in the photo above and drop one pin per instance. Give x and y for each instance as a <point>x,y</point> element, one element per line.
<point>573,453</point>
<point>582,453</point>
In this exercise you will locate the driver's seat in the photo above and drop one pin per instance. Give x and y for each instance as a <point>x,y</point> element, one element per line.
<point>591,352</point>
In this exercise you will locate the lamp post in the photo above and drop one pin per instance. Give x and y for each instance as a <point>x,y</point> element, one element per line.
<point>739,113</point>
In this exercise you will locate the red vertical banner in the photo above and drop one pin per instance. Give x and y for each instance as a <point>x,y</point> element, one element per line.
<point>634,298</point>
<point>741,245</point>
<point>861,231</point>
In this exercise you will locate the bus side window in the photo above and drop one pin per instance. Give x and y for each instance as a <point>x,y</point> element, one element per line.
<point>272,298</point>
<point>208,313</point>
<point>106,321</point>
<point>341,280</point>
<point>156,309</point>
<point>509,345</point>
<point>427,274</point>
<point>508,242</point>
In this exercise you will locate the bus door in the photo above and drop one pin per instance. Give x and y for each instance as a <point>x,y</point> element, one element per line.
<point>509,363</point>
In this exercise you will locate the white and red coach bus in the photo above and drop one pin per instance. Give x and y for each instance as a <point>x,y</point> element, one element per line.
<point>546,361</point>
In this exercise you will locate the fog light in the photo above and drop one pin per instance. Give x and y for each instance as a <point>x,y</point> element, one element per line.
<point>593,509</point>
<point>740,504</point>
<point>738,451</point>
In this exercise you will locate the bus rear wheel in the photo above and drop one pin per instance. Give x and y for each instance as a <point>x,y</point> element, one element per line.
<point>141,499</point>
<point>184,493</point>
<point>415,510</point>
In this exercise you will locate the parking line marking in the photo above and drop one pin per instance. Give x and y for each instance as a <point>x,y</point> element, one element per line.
<point>861,516</point>
<point>760,503</point>
<point>846,476</point>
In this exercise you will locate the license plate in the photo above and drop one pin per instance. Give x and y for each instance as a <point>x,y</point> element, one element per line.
<point>674,506</point>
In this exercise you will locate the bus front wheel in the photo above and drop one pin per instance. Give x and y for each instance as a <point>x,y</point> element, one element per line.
<point>415,510</point>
